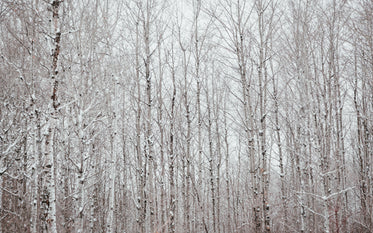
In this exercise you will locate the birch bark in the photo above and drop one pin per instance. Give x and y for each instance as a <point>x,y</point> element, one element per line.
<point>49,201</point>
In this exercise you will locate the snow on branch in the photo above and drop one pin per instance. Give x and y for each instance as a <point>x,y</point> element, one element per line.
<point>326,197</point>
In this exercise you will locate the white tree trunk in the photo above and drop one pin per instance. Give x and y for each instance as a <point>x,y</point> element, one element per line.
<point>35,205</point>
<point>114,156</point>
<point>50,224</point>
<point>80,180</point>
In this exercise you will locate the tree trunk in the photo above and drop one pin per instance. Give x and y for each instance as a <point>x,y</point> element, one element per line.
<point>49,200</point>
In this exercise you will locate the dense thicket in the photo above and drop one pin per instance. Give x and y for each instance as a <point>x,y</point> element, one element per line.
<point>186,116</point>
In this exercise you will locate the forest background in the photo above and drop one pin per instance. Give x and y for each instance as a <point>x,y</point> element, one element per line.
<point>186,116</point>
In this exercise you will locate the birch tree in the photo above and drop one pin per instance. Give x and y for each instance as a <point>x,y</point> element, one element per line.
<point>361,29</point>
<point>188,116</point>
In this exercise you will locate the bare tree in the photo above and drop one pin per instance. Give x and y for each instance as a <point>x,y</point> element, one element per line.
<point>187,116</point>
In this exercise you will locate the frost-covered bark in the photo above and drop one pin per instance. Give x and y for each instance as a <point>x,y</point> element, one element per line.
<point>197,46</point>
<point>49,200</point>
<point>141,166</point>
<point>171,155</point>
<point>211,159</point>
<point>187,157</point>
<point>266,26</point>
<point>116,150</point>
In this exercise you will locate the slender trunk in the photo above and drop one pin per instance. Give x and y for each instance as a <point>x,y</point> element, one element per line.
<point>68,202</point>
<point>141,166</point>
<point>162,181</point>
<point>36,145</point>
<point>218,162</point>
<point>228,227</point>
<point>281,157</point>
<point>187,157</point>
<point>49,200</point>
<point>115,150</point>
<point>211,163</point>
<point>148,130</point>
<point>35,197</point>
<point>80,179</point>
<point>203,226</point>
<point>172,156</point>
<point>262,75</point>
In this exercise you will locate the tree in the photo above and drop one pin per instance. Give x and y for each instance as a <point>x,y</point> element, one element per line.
<point>186,116</point>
